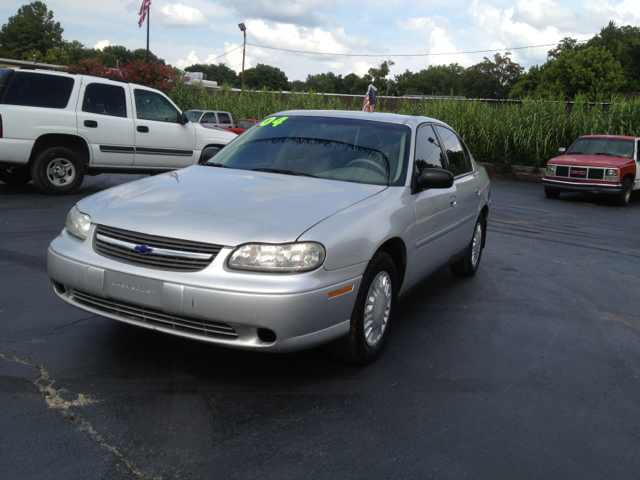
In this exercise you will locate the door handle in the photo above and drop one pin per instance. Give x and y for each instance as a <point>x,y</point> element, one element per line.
<point>478,192</point>
<point>453,201</point>
<point>143,129</point>
<point>91,124</point>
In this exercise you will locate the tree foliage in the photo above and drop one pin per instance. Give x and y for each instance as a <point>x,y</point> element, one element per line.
<point>434,80</point>
<point>32,28</point>
<point>491,79</point>
<point>265,76</point>
<point>592,72</point>
<point>220,73</point>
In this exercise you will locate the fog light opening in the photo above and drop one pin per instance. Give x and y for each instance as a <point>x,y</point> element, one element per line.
<point>59,288</point>
<point>266,335</point>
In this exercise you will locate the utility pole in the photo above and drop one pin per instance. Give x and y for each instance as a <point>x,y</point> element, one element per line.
<point>243,29</point>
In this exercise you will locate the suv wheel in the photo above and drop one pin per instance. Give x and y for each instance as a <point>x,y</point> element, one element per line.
<point>15,175</point>
<point>371,313</point>
<point>57,171</point>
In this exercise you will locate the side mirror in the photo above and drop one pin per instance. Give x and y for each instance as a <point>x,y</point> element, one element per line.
<point>208,153</point>
<point>183,119</point>
<point>561,150</point>
<point>434,178</point>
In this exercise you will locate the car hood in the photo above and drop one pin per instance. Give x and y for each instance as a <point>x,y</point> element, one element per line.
<point>224,206</point>
<point>591,160</point>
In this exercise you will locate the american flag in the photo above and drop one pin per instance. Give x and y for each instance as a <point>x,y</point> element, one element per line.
<point>370,99</point>
<point>144,8</point>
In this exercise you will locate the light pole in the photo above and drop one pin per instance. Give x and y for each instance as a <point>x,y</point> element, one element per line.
<point>243,29</point>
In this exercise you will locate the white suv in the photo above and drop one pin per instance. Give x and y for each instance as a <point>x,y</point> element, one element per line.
<point>57,126</point>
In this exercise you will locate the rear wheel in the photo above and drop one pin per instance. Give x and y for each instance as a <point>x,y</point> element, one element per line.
<point>57,171</point>
<point>371,313</point>
<point>622,199</point>
<point>551,192</point>
<point>15,175</point>
<point>468,265</point>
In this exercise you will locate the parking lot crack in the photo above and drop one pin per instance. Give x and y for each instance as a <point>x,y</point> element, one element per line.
<point>55,400</point>
<point>52,332</point>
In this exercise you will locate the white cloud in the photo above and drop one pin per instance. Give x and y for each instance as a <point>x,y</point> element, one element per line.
<point>233,59</point>
<point>299,12</point>
<point>181,16</point>
<point>101,44</point>
<point>360,68</point>
<point>191,59</point>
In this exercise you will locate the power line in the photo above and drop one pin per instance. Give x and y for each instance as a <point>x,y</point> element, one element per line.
<point>400,54</point>
<point>224,54</point>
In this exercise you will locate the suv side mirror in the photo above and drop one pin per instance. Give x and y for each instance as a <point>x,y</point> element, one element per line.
<point>434,178</point>
<point>183,119</point>
<point>561,150</point>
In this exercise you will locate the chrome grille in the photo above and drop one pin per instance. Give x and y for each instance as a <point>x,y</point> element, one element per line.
<point>596,173</point>
<point>562,171</point>
<point>152,316</point>
<point>175,252</point>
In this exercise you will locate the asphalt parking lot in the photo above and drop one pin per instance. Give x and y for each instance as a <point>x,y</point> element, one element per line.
<point>531,369</point>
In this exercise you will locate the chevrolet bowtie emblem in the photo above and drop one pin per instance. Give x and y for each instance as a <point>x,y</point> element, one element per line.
<point>143,249</point>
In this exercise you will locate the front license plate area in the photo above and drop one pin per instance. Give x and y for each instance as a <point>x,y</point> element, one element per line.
<point>133,289</point>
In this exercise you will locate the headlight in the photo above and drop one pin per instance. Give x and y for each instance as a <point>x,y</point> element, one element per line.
<point>551,169</point>
<point>290,257</point>
<point>612,172</point>
<point>78,223</point>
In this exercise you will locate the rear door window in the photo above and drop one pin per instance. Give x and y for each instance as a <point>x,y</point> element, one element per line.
<point>224,118</point>
<point>105,100</point>
<point>459,162</point>
<point>39,90</point>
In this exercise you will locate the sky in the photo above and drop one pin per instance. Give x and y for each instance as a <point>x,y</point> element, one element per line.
<point>201,31</point>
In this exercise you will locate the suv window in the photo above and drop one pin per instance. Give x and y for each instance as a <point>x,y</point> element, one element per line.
<point>105,100</point>
<point>224,118</point>
<point>39,90</point>
<point>209,118</point>
<point>428,152</point>
<point>152,106</point>
<point>458,161</point>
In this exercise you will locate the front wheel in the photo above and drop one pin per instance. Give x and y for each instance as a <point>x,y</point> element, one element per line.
<point>468,265</point>
<point>57,171</point>
<point>15,175</point>
<point>371,313</point>
<point>622,199</point>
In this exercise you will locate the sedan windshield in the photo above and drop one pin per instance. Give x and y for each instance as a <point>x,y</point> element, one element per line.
<point>344,149</point>
<point>611,147</point>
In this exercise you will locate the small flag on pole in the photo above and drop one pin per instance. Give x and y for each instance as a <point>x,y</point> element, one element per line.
<point>144,8</point>
<point>370,99</point>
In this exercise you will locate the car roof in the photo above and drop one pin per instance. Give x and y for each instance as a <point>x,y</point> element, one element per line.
<point>621,137</point>
<point>410,120</point>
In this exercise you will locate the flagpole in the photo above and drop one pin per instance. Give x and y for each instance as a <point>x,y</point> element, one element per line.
<point>148,20</point>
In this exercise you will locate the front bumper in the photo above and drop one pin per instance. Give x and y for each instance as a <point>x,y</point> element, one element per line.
<point>293,310</point>
<point>583,187</point>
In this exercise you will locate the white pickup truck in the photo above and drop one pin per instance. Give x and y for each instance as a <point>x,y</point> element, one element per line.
<point>57,126</point>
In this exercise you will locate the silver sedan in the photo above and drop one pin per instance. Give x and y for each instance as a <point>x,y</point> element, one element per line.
<point>305,230</point>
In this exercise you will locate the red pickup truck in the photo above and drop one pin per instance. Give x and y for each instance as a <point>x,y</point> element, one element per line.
<point>596,164</point>
<point>241,125</point>
<point>218,119</point>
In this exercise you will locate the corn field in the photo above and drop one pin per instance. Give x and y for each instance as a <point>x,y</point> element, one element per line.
<point>528,133</point>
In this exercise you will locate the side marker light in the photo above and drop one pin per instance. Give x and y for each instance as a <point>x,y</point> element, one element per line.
<point>342,291</point>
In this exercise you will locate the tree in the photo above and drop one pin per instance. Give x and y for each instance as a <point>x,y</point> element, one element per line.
<point>265,76</point>
<point>489,79</point>
<point>591,71</point>
<point>378,76</point>
<point>325,83</point>
<point>32,28</point>
<point>528,83</point>
<point>567,43</point>
<point>624,45</point>
<point>220,73</point>
<point>434,80</point>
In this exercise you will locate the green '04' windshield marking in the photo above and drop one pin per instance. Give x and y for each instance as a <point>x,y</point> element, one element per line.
<point>273,121</point>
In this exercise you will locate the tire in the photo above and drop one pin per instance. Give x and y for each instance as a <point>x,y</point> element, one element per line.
<point>551,193</point>
<point>622,199</point>
<point>372,313</point>
<point>468,265</point>
<point>57,171</point>
<point>15,175</point>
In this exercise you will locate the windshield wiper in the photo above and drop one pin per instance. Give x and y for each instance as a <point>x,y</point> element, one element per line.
<point>285,172</point>
<point>211,164</point>
<point>575,153</point>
